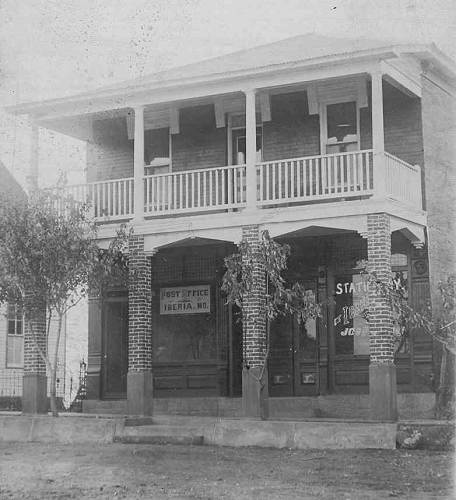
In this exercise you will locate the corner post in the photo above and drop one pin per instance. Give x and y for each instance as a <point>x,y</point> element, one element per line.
<point>378,136</point>
<point>138,160</point>
<point>382,370</point>
<point>250,148</point>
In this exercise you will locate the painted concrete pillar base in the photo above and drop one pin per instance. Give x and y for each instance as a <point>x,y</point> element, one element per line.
<point>383,392</point>
<point>34,393</point>
<point>254,393</point>
<point>139,393</point>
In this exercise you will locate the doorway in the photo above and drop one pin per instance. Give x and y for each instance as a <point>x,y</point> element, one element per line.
<point>115,347</point>
<point>293,362</point>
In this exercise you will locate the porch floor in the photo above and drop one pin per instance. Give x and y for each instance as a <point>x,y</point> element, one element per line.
<point>411,406</point>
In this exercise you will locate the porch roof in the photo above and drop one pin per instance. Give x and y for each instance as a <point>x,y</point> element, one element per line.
<point>300,51</point>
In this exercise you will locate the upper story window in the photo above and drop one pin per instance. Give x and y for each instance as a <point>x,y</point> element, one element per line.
<point>15,337</point>
<point>341,127</point>
<point>237,140</point>
<point>157,151</point>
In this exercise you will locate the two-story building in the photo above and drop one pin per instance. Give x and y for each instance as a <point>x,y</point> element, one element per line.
<point>343,149</point>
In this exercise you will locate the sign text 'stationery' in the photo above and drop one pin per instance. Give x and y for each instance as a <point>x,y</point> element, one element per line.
<point>185,299</point>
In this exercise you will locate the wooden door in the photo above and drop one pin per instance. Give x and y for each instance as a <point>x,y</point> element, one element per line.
<point>305,354</point>
<point>293,362</point>
<point>115,348</point>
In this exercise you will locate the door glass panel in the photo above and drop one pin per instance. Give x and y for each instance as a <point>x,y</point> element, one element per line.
<point>350,326</point>
<point>307,334</point>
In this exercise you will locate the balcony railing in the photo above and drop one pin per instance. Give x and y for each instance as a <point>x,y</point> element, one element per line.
<point>195,190</point>
<point>111,199</point>
<point>315,177</point>
<point>403,181</point>
<point>352,175</point>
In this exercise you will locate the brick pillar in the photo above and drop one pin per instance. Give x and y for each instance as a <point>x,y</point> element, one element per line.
<point>139,378</point>
<point>254,391</point>
<point>382,371</point>
<point>34,380</point>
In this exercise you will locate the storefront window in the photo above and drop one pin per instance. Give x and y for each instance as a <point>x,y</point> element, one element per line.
<point>350,325</point>
<point>186,326</point>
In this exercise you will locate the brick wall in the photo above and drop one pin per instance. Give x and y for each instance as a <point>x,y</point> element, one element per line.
<point>439,135</point>
<point>110,154</point>
<point>200,144</point>
<point>253,313</point>
<point>139,307</point>
<point>380,318</point>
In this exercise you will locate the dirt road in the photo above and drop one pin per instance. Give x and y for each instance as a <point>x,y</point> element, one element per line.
<point>201,472</point>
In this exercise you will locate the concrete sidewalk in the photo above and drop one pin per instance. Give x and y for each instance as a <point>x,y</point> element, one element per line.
<point>207,430</point>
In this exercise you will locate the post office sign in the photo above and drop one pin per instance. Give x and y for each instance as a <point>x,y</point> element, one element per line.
<point>185,299</point>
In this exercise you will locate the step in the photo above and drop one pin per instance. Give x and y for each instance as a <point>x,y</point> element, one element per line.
<point>160,434</point>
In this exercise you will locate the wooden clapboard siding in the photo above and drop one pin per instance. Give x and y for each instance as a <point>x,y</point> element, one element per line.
<point>292,132</point>
<point>403,128</point>
<point>110,154</point>
<point>199,144</point>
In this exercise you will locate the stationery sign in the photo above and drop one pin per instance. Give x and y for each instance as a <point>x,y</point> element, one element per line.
<point>185,299</point>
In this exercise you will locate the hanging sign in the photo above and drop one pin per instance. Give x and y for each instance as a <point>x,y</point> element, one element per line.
<point>185,299</point>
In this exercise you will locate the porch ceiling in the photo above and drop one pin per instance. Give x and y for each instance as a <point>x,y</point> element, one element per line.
<point>192,242</point>
<point>314,231</point>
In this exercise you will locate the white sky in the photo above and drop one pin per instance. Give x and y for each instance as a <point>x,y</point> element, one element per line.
<point>52,48</point>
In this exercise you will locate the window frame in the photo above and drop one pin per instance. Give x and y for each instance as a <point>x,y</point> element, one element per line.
<point>8,363</point>
<point>323,113</point>
<point>231,128</point>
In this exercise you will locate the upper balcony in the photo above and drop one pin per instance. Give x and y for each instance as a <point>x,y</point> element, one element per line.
<point>346,176</point>
<point>305,129</point>
<point>341,140</point>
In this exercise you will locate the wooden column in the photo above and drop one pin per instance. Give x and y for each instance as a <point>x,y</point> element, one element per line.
<point>250,148</point>
<point>378,135</point>
<point>139,163</point>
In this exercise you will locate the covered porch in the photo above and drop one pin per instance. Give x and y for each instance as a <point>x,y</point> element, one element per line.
<point>341,138</point>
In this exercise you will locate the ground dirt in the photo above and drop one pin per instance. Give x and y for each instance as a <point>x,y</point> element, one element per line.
<point>48,471</point>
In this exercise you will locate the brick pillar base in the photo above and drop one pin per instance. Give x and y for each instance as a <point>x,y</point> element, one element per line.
<point>383,392</point>
<point>139,393</point>
<point>34,380</point>
<point>139,377</point>
<point>382,371</point>
<point>255,393</point>
<point>34,393</point>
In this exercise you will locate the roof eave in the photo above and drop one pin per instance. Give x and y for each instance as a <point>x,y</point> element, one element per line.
<point>37,108</point>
